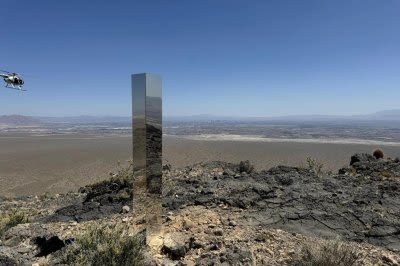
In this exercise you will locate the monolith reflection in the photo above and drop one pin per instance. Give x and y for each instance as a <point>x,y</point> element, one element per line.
<point>147,149</point>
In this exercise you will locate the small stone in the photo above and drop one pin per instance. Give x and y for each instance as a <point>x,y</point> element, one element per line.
<point>213,247</point>
<point>195,243</point>
<point>218,232</point>
<point>174,247</point>
<point>141,221</point>
<point>126,209</point>
<point>232,223</point>
<point>187,224</point>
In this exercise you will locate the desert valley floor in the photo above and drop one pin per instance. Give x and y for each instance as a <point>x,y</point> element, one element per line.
<point>58,164</point>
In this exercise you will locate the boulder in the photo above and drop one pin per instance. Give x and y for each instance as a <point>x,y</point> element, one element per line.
<point>174,246</point>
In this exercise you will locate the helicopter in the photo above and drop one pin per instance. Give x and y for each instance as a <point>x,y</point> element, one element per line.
<point>12,80</point>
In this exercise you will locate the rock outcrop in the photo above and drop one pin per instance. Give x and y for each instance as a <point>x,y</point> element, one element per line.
<point>218,213</point>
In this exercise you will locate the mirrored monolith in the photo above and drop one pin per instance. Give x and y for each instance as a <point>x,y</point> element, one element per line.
<point>147,151</point>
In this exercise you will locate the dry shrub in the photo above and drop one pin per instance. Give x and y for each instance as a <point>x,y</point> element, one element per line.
<point>378,153</point>
<point>44,196</point>
<point>327,253</point>
<point>314,165</point>
<point>105,245</point>
<point>11,219</point>
<point>123,179</point>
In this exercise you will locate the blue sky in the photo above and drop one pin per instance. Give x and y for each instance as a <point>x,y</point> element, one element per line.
<point>247,58</point>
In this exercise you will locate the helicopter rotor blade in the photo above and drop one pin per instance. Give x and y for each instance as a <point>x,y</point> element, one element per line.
<point>5,71</point>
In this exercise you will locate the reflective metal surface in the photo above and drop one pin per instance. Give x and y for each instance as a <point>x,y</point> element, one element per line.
<point>139,122</point>
<point>147,149</point>
<point>153,134</point>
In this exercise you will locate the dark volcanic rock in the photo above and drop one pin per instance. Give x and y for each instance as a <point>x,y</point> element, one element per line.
<point>361,203</point>
<point>369,166</point>
<point>86,211</point>
<point>231,256</point>
<point>362,157</point>
<point>102,200</point>
<point>6,261</point>
<point>175,246</point>
<point>48,246</point>
<point>358,204</point>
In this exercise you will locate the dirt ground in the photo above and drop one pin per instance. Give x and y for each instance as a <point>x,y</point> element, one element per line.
<point>58,164</point>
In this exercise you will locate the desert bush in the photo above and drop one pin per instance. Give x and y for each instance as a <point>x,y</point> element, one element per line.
<point>378,154</point>
<point>314,165</point>
<point>123,178</point>
<point>327,253</point>
<point>105,245</point>
<point>44,196</point>
<point>246,166</point>
<point>124,174</point>
<point>386,173</point>
<point>11,219</point>
<point>353,171</point>
<point>124,195</point>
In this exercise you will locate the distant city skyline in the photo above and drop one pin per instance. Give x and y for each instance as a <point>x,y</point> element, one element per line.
<point>223,58</point>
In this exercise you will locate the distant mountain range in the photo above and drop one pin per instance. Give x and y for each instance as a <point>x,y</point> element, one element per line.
<point>387,115</point>
<point>85,119</point>
<point>382,115</point>
<point>20,120</point>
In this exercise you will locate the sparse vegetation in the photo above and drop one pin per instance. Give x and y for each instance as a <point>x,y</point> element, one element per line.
<point>378,154</point>
<point>11,219</point>
<point>314,165</point>
<point>123,177</point>
<point>246,166</point>
<point>124,174</point>
<point>327,253</point>
<point>386,173</point>
<point>353,171</point>
<point>44,196</point>
<point>123,195</point>
<point>105,245</point>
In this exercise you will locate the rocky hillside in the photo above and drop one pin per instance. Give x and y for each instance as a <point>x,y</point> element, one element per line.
<point>219,213</point>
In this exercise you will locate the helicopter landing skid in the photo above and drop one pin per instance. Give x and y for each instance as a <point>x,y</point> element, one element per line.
<point>16,89</point>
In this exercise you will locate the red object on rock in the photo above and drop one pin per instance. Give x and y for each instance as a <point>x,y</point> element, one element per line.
<point>378,154</point>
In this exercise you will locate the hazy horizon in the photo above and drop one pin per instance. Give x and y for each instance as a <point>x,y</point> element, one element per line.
<point>379,112</point>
